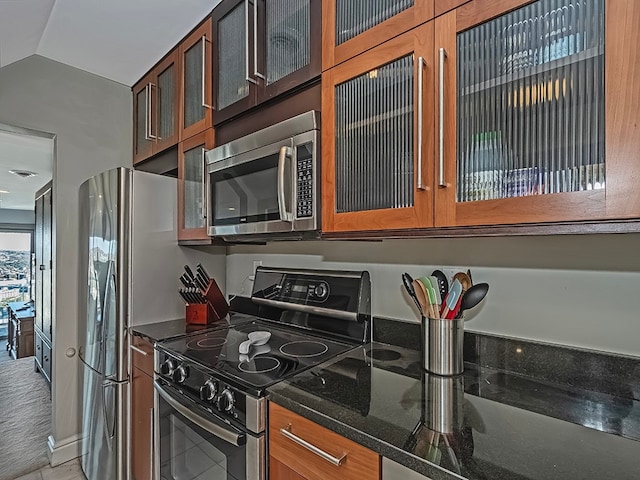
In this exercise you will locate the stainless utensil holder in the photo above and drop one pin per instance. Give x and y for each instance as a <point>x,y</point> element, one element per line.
<point>443,344</point>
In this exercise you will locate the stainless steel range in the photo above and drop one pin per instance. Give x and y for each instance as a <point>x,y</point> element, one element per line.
<point>210,404</point>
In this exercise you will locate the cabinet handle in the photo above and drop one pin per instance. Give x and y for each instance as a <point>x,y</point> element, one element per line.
<point>255,41</point>
<point>203,209</point>
<point>204,72</point>
<point>139,350</point>
<point>149,126</point>
<point>421,65</point>
<point>441,182</point>
<point>286,431</point>
<point>246,41</point>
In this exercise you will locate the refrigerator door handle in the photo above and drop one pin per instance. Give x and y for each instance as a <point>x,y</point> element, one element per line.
<point>109,428</point>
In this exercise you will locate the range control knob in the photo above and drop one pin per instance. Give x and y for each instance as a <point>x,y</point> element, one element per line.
<point>225,400</point>
<point>321,291</point>
<point>180,374</point>
<point>168,367</point>
<point>208,390</point>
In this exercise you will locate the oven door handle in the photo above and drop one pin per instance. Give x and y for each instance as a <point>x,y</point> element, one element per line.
<point>231,436</point>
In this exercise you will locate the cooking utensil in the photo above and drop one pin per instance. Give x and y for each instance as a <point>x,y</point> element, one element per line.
<point>407,281</point>
<point>443,283</point>
<point>255,338</point>
<point>189,273</point>
<point>431,297</point>
<point>422,296</point>
<point>200,269</point>
<point>452,298</point>
<point>436,289</point>
<point>473,296</point>
<point>464,279</point>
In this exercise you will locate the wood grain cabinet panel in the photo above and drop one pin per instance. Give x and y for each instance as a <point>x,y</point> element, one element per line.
<point>349,30</point>
<point>358,463</point>
<point>141,409</point>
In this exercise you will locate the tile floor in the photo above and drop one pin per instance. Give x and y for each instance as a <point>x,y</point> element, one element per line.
<point>67,471</point>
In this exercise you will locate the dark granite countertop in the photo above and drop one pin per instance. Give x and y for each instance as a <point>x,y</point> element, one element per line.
<point>488,423</point>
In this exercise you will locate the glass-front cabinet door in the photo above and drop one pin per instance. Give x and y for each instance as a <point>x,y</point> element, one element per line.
<point>195,52</point>
<point>532,117</point>
<point>288,44</point>
<point>192,194</point>
<point>233,62</point>
<point>378,137</point>
<point>155,109</point>
<point>351,27</point>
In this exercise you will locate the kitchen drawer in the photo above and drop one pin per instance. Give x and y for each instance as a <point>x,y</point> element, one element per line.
<point>359,463</point>
<point>142,355</point>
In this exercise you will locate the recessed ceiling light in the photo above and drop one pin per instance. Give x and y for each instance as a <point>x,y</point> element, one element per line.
<point>5,191</point>
<point>23,173</point>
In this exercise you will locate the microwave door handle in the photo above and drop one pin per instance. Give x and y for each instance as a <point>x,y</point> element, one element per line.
<point>285,152</point>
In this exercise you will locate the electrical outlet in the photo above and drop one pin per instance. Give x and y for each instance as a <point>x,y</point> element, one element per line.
<point>451,271</point>
<point>256,264</point>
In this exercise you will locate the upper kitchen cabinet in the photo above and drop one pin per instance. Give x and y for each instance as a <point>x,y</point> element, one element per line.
<point>261,50</point>
<point>350,27</point>
<point>192,194</point>
<point>537,112</point>
<point>155,108</point>
<point>378,135</point>
<point>197,91</point>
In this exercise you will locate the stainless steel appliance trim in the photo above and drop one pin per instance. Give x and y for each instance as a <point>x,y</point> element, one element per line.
<point>307,223</point>
<point>421,65</point>
<point>228,436</point>
<point>285,216</point>
<point>256,457</point>
<point>246,157</point>
<point>123,272</point>
<point>256,414</point>
<point>441,182</point>
<point>327,312</point>
<point>203,210</point>
<point>291,127</point>
<point>337,461</point>
<point>319,273</point>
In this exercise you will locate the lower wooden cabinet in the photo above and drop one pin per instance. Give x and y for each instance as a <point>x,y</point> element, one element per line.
<point>300,449</point>
<point>141,410</point>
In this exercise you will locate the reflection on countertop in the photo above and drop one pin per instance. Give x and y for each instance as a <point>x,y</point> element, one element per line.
<point>484,424</point>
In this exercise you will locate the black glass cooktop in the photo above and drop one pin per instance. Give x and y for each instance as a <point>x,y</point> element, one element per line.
<point>287,352</point>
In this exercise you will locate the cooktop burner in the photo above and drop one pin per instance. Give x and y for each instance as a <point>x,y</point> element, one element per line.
<point>287,351</point>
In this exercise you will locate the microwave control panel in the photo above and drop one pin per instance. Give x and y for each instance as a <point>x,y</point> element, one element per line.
<point>304,183</point>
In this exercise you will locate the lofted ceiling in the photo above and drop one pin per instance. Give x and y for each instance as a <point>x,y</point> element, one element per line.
<point>116,39</point>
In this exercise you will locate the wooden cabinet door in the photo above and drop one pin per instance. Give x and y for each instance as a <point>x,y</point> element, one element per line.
<point>141,425</point>
<point>142,120</point>
<point>234,79</point>
<point>348,29</point>
<point>156,107</point>
<point>287,434</point>
<point>288,45</point>
<point>377,137</point>
<point>533,125</point>
<point>192,192</point>
<point>141,409</point>
<point>196,94</point>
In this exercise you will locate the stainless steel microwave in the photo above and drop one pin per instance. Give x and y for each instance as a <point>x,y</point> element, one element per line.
<point>267,182</point>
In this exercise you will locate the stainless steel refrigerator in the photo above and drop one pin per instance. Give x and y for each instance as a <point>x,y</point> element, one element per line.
<point>129,265</point>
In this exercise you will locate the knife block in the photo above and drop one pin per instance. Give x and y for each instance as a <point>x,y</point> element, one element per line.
<point>214,310</point>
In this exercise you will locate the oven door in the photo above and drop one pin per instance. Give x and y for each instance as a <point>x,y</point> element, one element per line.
<point>192,443</point>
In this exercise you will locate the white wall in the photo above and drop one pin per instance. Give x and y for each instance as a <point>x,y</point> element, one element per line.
<point>92,120</point>
<point>572,290</point>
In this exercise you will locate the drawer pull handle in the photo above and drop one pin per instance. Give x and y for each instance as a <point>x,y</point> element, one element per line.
<point>139,350</point>
<point>286,431</point>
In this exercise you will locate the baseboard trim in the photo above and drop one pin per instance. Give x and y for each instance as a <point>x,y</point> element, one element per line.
<point>64,450</point>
